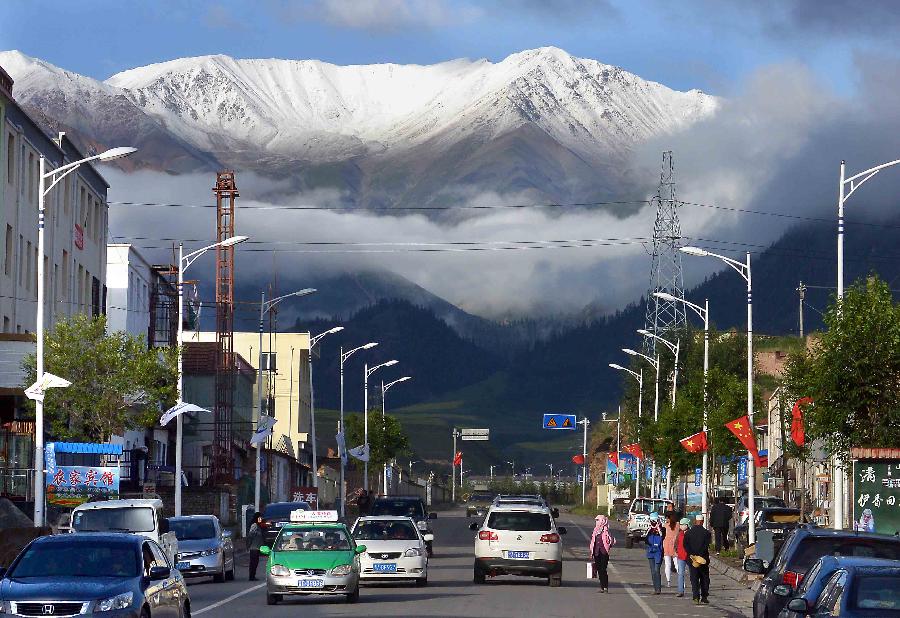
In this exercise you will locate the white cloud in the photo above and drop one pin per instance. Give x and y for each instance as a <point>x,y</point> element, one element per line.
<point>383,15</point>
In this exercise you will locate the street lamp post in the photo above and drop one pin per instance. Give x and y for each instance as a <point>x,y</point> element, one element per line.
<point>312,401</point>
<point>384,389</point>
<point>265,306</point>
<point>184,262</point>
<point>743,269</point>
<point>54,176</point>
<point>366,373</point>
<point>639,376</point>
<point>586,424</point>
<point>655,364</point>
<point>618,423</point>
<point>854,182</point>
<point>343,454</point>
<point>675,348</point>
<point>703,312</point>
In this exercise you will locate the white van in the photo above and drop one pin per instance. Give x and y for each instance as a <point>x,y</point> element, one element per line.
<point>143,517</point>
<point>639,517</point>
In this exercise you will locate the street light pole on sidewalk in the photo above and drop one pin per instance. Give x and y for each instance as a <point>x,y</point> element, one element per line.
<point>584,460</point>
<point>312,401</point>
<point>366,373</point>
<point>343,454</point>
<point>655,364</point>
<point>639,376</point>
<point>384,389</point>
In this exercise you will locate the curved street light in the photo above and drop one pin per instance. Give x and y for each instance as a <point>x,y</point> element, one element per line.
<point>312,401</point>
<point>384,389</point>
<point>343,454</point>
<point>639,376</point>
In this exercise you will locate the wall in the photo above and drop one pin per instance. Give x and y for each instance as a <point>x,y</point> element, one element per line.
<point>128,281</point>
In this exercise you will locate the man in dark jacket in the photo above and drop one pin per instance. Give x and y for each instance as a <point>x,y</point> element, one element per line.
<point>720,518</point>
<point>696,544</point>
<point>255,540</point>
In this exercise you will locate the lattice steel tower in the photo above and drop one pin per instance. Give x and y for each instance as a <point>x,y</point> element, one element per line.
<point>665,268</point>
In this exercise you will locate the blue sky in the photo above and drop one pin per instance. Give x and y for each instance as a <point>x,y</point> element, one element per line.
<point>708,44</point>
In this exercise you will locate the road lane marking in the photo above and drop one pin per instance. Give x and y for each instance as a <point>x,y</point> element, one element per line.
<point>612,567</point>
<point>227,600</point>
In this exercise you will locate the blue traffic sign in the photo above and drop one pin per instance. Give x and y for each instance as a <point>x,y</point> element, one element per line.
<point>559,421</point>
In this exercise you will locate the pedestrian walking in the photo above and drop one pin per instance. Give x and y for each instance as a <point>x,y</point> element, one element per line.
<point>255,540</point>
<point>654,540</point>
<point>601,542</point>
<point>364,503</point>
<point>681,553</point>
<point>720,518</point>
<point>670,557</point>
<point>696,543</point>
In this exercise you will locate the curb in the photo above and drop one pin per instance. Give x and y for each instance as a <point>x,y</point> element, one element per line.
<point>733,573</point>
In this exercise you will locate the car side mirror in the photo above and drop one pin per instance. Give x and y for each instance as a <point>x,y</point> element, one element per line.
<point>555,513</point>
<point>562,530</point>
<point>783,590</point>
<point>432,515</point>
<point>264,550</point>
<point>798,605</point>
<point>227,533</point>
<point>159,572</point>
<point>474,526</point>
<point>360,549</point>
<point>754,565</point>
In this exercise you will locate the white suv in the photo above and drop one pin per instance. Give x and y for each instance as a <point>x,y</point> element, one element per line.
<point>518,540</point>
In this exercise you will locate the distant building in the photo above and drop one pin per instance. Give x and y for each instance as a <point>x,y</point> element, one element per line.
<point>74,264</point>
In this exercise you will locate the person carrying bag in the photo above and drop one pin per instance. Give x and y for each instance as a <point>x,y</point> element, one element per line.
<point>601,542</point>
<point>655,536</point>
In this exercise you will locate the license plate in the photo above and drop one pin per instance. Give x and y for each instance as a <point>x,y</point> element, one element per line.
<point>181,566</point>
<point>311,583</point>
<point>279,524</point>
<point>776,530</point>
<point>388,567</point>
<point>518,555</point>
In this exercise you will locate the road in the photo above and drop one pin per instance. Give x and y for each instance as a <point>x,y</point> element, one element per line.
<point>450,591</point>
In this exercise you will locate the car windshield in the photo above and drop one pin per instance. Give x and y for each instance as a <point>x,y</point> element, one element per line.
<point>649,506</point>
<point>312,539</point>
<point>877,592</point>
<point>282,510</point>
<point>398,508</point>
<point>812,548</point>
<point>125,519</point>
<point>778,517</point>
<point>193,529</point>
<point>78,559</point>
<point>385,531</point>
<point>524,521</point>
<point>480,498</point>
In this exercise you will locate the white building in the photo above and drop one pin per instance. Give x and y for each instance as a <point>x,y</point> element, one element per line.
<point>129,283</point>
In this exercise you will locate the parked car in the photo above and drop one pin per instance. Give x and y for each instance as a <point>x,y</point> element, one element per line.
<point>639,517</point>
<point>518,540</point>
<point>801,549</point>
<point>395,549</point>
<point>204,547</point>
<point>742,510</point>
<point>477,504</point>
<point>859,590</point>
<point>412,507</point>
<point>778,521</point>
<point>93,573</point>
<point>276,515</point>
<point>815,579</point>
<point>140,516</point>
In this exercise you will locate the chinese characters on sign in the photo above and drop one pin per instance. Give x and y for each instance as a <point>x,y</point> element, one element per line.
<point>310,495</point>
<point>73,485</point>
<point>876,496</point>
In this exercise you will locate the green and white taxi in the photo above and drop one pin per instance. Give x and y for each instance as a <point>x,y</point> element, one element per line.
<point>313,554</point>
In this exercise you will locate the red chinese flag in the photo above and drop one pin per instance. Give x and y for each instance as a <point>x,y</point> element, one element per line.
<point>578,459</point>
<point>614,458</point>
<point>634,449</point>
<point>457,461</point>
<point>743,430</point>
<point>798,433</point>
<point>696,443</point>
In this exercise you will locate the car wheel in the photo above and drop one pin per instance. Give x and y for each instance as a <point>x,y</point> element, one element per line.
<point>555,580</point>
<point>629,542</point>
<point>145,612</point>
<point>478,576</point>
<point>353,597</point>
<point>422,582</point>
<point>430,550</point>
<point>186,610</point>
<point>272,599</point>
<point>219,578</point>
<point>229,575</point>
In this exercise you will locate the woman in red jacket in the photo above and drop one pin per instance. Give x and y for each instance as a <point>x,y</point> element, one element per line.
<point>681,553</point>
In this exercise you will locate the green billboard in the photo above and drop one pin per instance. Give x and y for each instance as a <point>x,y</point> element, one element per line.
<point>876,495</point>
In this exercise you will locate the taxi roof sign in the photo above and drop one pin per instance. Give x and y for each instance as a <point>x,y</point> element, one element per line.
<point>299,515</point>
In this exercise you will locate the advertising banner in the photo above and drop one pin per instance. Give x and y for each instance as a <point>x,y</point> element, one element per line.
<point>70,486</point>
<point>310,495</point>
<point>876,496</point>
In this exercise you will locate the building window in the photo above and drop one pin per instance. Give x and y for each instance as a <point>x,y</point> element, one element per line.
<point>21,255</point>
<point>28,254</point>
<point>80,287</point>
<point>31,177</point>
<point>269,361</point>
<point>10,158</point>
<point>65,274</point>
<point>67,195</point>
<point>7,264</point>
<point>6,324</point>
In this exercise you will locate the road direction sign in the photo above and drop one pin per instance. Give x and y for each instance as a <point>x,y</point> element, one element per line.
<point>560,421</point>
<point>475,434</point>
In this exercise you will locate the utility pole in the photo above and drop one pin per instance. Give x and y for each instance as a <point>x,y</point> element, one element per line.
<point>455,434</point>
<point>586,423</point>
<point>802,291</point>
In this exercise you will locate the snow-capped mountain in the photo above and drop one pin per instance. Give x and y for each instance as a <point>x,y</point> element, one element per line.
<point>540,121</point>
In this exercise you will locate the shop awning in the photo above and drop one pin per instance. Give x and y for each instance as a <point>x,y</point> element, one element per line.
<point>87,448</point>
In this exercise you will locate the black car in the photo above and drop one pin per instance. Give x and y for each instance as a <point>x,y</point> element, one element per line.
<point>408,506</point>
<point>859,590</point>
<point>275,515</point>
<point>478,504</point>
<point>779,521</point>
<point>92,573</point>
<point>801,549</point>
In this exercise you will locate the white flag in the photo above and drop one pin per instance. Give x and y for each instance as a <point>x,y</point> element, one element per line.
<point>179,408</point>
<point>263,429</point>
<point>48,380</point>
<point>360,452</point>
<point>342,446</point>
